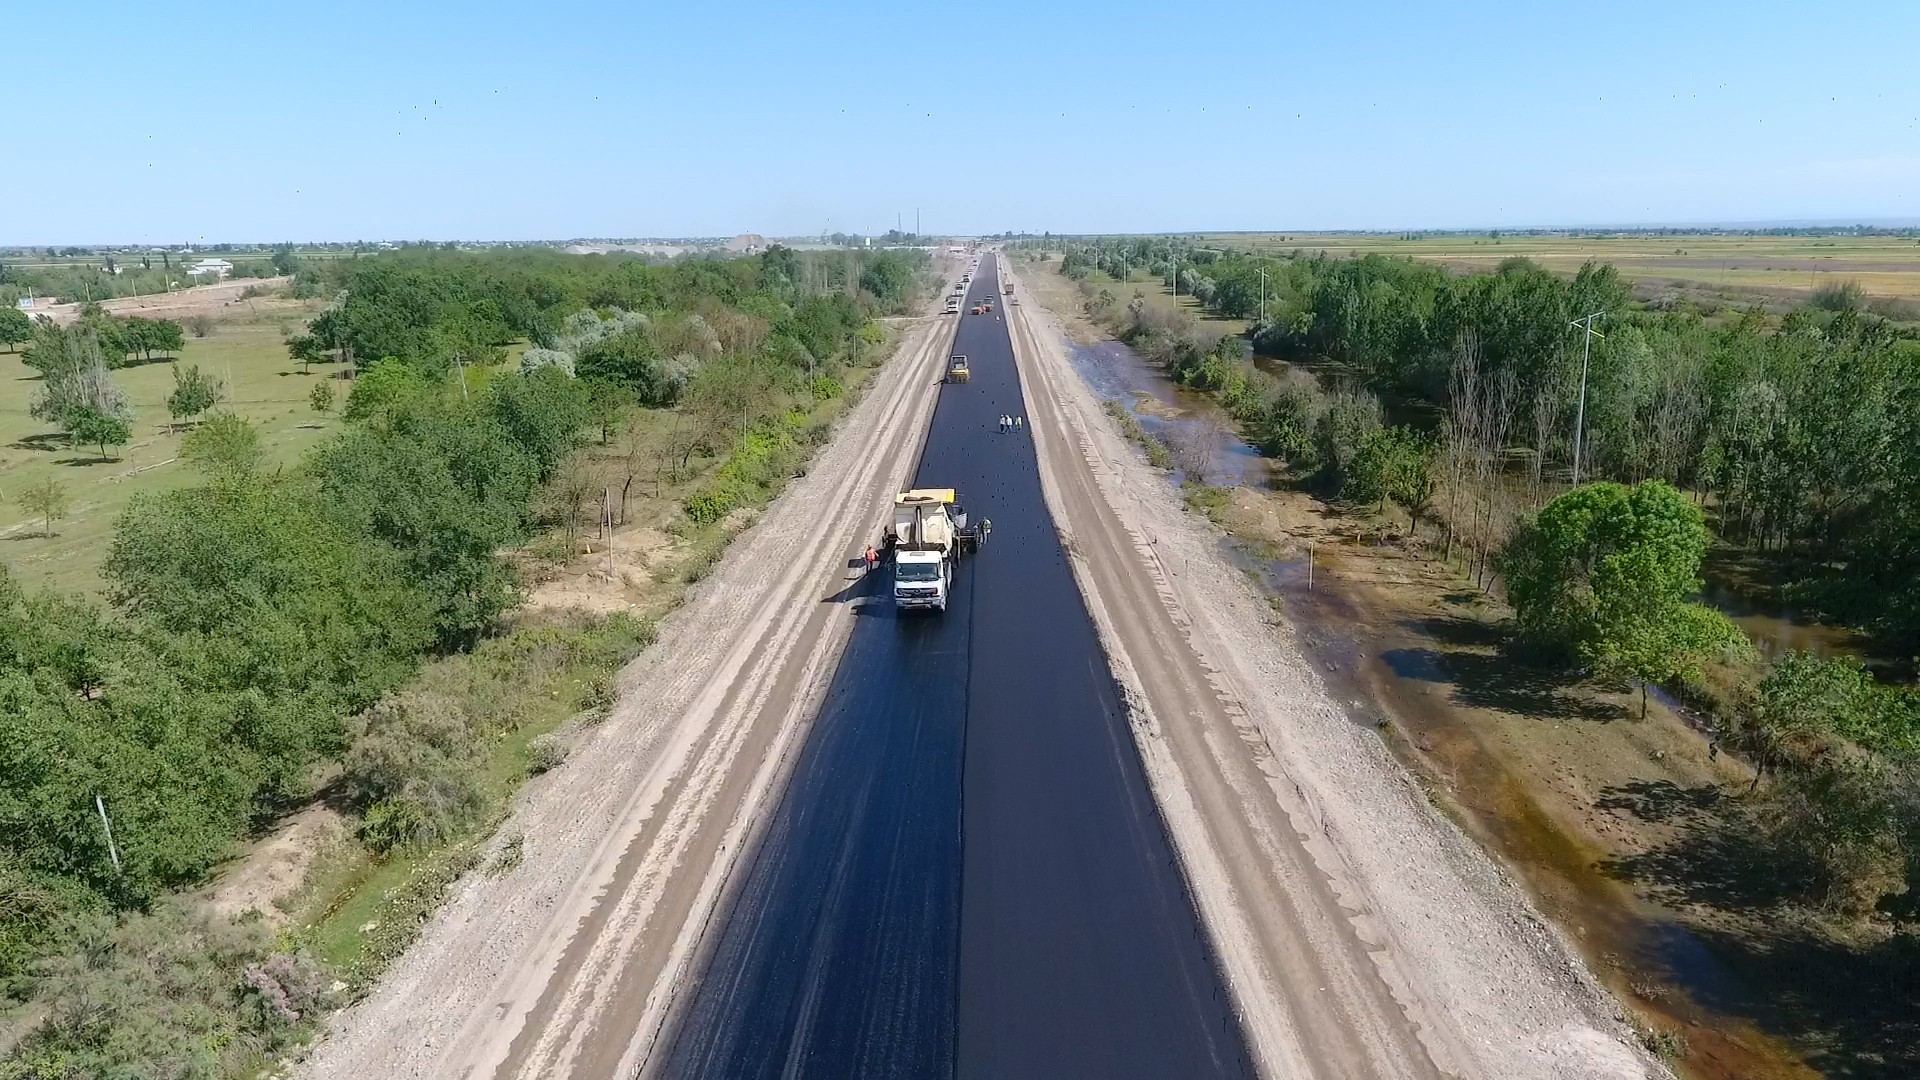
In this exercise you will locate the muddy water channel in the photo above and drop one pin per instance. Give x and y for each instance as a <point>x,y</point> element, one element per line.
<point>1173,414</point>
<point>1386,655</point>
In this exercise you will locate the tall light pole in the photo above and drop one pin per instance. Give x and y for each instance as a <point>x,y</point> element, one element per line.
<point>1263,296</point>
<point>1588,333</point>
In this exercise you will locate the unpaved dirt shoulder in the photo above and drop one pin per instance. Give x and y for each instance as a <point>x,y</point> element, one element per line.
<point>1362,934</point>
<point>569,963</point>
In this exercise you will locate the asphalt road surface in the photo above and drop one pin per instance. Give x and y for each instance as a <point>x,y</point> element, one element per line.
<point>967,875</point>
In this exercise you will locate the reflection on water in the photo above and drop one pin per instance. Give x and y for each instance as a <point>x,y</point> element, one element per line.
<point>1778,631</point>
<point>1176,416</point>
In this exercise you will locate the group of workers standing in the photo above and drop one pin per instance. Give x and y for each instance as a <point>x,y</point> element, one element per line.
<point>1011,423</point>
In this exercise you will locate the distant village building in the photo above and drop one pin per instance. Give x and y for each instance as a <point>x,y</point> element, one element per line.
<point>747,244</point>
<point>215,268</point>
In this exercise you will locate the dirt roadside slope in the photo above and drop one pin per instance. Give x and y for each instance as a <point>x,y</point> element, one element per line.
<point>1361,932</point>
<point>193,300</point>
<point>575,954</point>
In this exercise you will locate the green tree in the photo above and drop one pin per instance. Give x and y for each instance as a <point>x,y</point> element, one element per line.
<point>226,448</point>
<point>46,500</point>
<point>89,426</point>
<point>307,350</point>
<point>194,392</point>
<point>321,397</point>
<point>1350,420</point>
<point>148,336</point>
<point>607,405</point>
<point>543,411</point>
<point>74,374</point>
<point>1606,572</point>
<point>15,327</point>
<point>383,390</point>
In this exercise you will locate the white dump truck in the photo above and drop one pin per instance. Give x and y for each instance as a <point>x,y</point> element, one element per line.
<point>925,535</point>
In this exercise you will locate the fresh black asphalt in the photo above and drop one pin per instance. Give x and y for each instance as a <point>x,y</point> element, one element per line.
<point>967,875</point>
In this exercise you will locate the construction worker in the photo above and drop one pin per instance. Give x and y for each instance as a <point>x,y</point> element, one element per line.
<point>873,559</point>
<point>986,530</point>
<point>1018,421</point>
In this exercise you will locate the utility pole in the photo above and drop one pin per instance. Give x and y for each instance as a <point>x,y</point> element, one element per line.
<point>1588,333</point>
<point>112,851</point>
<point>1263,296</point>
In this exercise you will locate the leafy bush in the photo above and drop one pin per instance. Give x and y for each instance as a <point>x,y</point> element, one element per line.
<point>546,753</point>
<point>415,769</point>
<point>763,456</point>
<point>1350,419</point>
<point>166,994</point>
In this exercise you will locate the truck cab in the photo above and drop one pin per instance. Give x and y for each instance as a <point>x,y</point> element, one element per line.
<point>921,579</point>
<point>925,544</point>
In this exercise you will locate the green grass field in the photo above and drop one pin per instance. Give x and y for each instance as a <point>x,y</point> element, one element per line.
<point>263,386</point>
<point>1730,266</point>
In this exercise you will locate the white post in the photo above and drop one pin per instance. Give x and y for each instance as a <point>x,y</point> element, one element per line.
<point>112,851</point>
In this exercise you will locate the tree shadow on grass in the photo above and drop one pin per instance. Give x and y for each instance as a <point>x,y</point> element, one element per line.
<point>1458,631</point>
<point>1660,801</point>
<point>1495,681</point>
<point>88,461</point>
<point>1853,1009</point>
<point>46,442</point>
<point>1720,859</point>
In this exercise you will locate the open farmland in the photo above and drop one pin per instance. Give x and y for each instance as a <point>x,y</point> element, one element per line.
<point>1728,267</point>
<point>246,353</point>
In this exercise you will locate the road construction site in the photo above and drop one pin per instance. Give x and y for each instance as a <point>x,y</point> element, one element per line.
<point>1096,818</point>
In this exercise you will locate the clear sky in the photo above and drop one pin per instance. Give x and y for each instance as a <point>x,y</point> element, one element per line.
<point>268,121</point>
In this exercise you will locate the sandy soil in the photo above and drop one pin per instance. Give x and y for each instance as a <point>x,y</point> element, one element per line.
<point>214,300</point>
<point>1362,932</point>
<point>273,870</point>
<point>578,953</point>
<point>623,572</point>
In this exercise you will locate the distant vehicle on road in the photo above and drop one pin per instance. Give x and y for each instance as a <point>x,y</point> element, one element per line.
<point>957,370</point>
<point>925,540</point>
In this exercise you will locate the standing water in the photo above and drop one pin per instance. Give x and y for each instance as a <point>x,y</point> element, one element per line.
<point>1189,422</point>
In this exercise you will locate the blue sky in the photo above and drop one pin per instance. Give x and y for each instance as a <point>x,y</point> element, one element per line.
<point>169,122</point>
